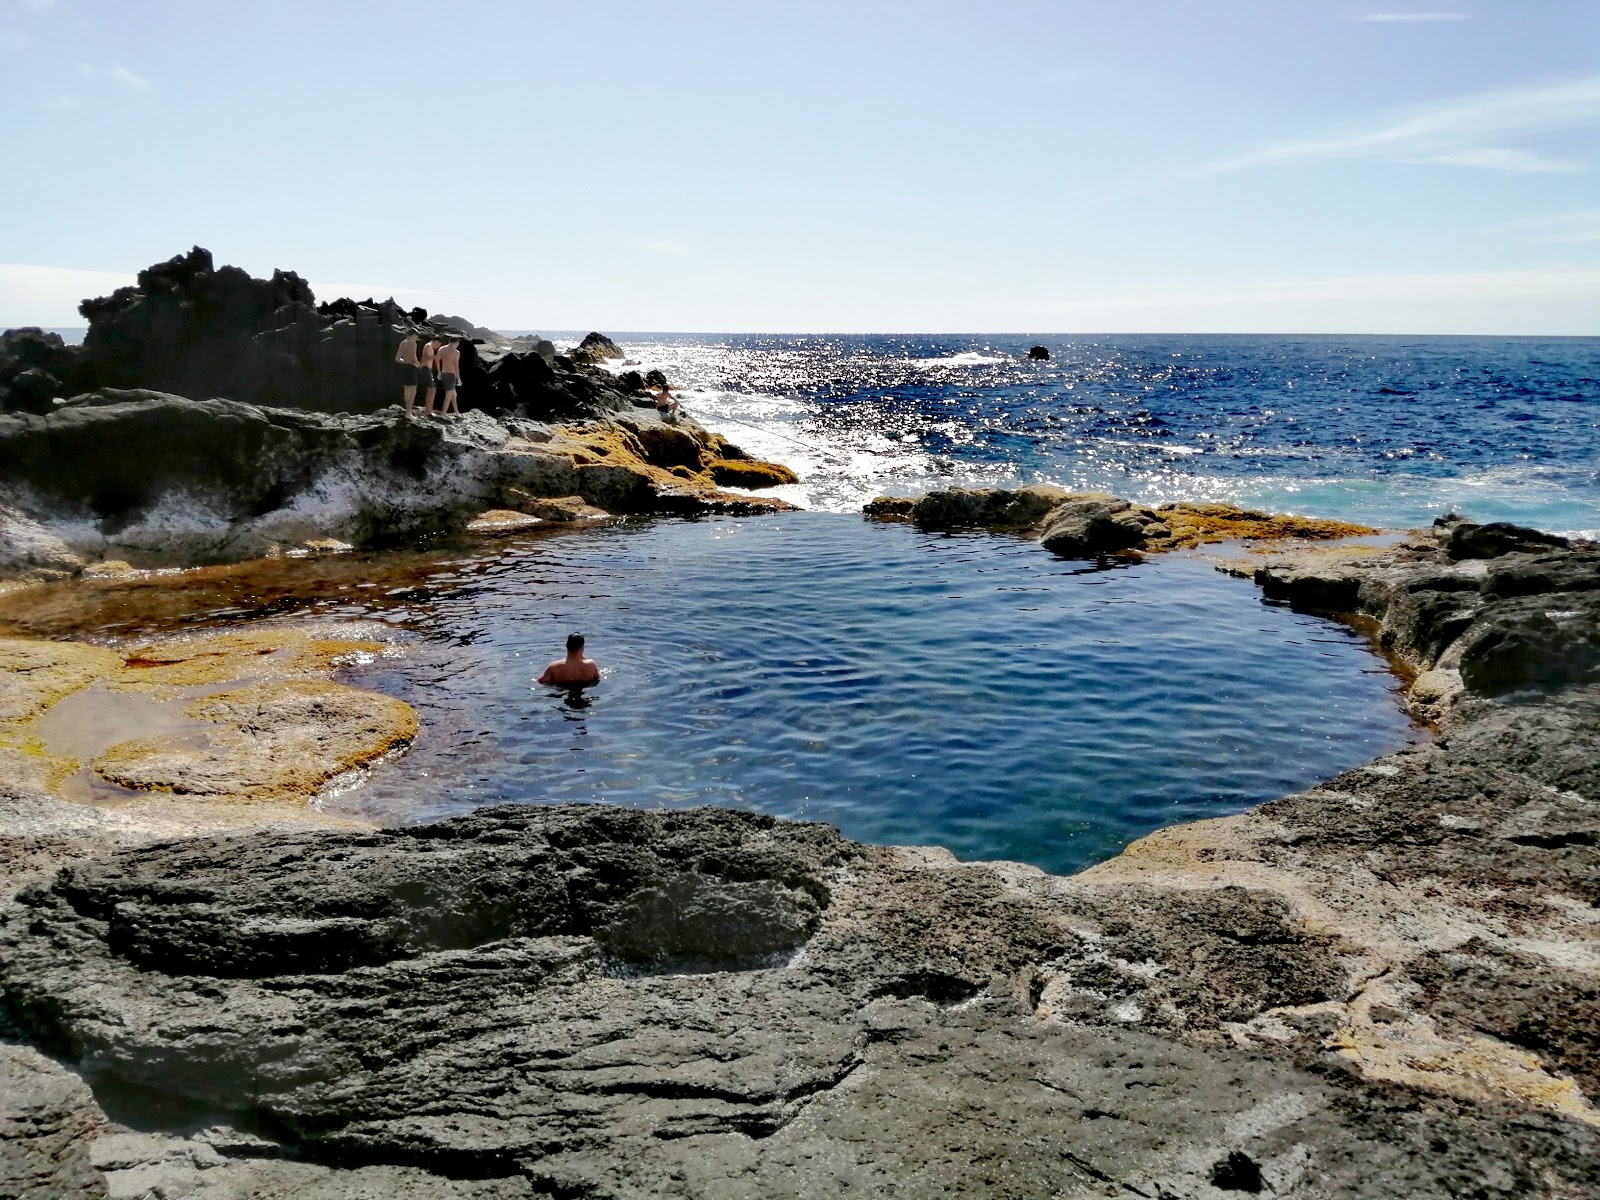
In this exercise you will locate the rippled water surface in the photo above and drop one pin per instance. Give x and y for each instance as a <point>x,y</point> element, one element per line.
<point>971,691</point>
<point>1388,430</point>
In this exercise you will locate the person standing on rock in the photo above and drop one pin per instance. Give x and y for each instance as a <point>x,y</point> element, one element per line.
<point>412,372</point>
<point>428,357</point>
<point>448,361</point>
<point>574,668</point>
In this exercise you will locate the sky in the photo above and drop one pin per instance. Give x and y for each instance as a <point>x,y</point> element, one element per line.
<point>1303,166</point>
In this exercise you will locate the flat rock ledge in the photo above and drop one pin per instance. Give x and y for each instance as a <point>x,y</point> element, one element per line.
<point>1387,985</point>
<point>1090,524</point>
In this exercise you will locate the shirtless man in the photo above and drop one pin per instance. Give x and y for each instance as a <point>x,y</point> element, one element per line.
<point>428,357</point>
<point>411,372</point>
<point>449,364</point>
<point>574,668</point>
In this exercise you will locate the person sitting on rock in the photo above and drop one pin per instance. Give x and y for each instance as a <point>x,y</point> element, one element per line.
<point>666,404</point>
<point>574,668</point>
<point>449,364</point>
<point>411,370</point>
<point>428,358</point>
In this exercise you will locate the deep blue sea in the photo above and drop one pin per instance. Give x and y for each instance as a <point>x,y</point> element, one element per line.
<point>1390,430</point>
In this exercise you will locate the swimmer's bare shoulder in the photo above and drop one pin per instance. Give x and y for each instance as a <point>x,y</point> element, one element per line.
<point>565,671</point>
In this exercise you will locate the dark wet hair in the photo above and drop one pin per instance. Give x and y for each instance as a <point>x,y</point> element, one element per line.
<point>574,642</point>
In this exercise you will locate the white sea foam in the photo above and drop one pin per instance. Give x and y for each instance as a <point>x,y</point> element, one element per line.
<point>967,358</point>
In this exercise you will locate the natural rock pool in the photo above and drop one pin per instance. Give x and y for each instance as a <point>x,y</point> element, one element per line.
<point>969,691</point>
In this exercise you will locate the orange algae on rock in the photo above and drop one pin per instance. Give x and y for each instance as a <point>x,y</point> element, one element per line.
<point>1192,524</point>
<point>272,726</point>
<point>748,473</point>
<point>275,742</point>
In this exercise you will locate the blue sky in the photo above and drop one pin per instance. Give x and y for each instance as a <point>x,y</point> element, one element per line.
<point>1163,165</point>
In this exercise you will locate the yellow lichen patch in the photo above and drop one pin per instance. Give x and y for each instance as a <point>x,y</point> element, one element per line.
<point>749,473</point>
<point>1390,1044</point>
<point>277,739</point>
<point>226,658</point>
<point>275,742</point>
<point>35,674</point>
<point>1194,524</point>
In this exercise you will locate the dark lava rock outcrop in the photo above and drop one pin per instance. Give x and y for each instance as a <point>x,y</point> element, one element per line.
<point>591,1001</point>
<point>1038,354</point>
<point>194,329</point>
<point>154,478</point>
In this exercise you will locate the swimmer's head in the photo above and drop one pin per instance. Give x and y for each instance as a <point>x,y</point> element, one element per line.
<point>574,642</point>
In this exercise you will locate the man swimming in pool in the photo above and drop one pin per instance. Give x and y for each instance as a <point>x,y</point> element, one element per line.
<point>574,668</point>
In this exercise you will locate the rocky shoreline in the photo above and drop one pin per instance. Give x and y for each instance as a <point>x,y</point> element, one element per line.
<point>1385,985</point>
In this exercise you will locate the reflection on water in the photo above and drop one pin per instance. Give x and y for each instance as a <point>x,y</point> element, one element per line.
<point>966,690</point>
<point>970,691</point>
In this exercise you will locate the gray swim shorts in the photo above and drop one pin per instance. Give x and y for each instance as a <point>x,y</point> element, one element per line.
<point>447,381</point>
<point>424,376</point>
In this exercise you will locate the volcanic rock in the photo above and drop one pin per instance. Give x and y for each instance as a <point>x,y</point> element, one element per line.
<point>596,347</point>
<point>1084,527</point>
<point>143,476</point>
<point>191,328</point>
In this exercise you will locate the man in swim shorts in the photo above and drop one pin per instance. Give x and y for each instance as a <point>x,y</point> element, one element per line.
<point>574,668</point>
<point>449,364</point>
<point>411,371</point>
<point>427,357</point>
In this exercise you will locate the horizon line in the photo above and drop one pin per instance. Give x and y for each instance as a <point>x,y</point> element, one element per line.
<point>518,331</point>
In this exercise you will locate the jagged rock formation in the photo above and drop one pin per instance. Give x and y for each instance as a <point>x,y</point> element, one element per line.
<point>193,329</point>
<point>32,366</point>
<point>139,475</point>
<point>596,347</point>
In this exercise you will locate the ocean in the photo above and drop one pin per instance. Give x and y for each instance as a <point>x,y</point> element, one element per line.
<point>1393,431</point>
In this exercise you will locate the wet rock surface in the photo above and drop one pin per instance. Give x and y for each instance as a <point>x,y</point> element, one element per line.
<point>1381,986</point>
<point>1092,524</point>
<point>159,479</point>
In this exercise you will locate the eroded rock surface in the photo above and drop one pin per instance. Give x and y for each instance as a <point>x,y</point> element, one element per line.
<point>160,479</point>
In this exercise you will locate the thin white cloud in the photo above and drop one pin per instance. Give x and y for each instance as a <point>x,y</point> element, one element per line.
<point>49,296</point>
<point>1412,18</point>
<point>1497,159</point>
<point>1457,126</point>
<point>128,79</point>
